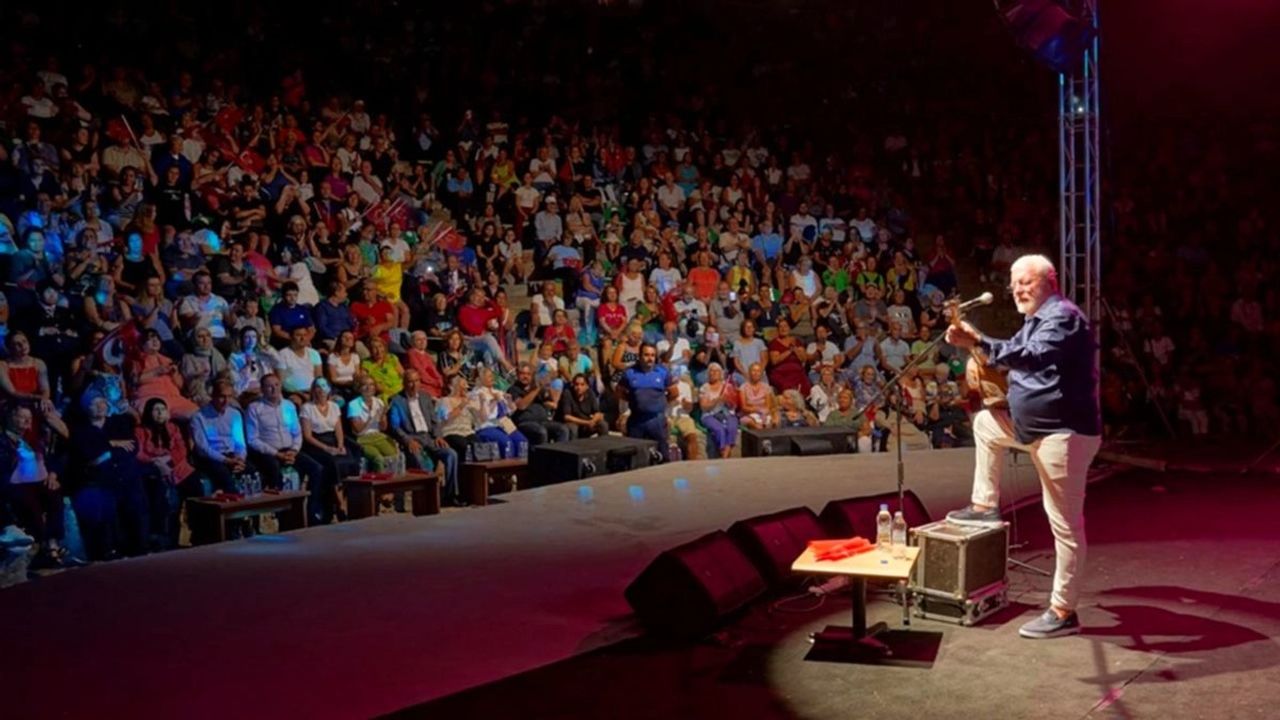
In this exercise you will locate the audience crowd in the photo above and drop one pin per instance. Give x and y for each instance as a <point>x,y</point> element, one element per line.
<point>207,285</point>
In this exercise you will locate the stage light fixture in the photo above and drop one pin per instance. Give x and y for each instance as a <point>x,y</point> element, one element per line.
<point>1057,38</point>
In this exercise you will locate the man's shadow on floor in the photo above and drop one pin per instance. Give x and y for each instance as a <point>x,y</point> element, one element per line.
<point>1190,639</point>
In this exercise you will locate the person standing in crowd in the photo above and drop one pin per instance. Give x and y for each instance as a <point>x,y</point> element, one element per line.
<point>646,387</point>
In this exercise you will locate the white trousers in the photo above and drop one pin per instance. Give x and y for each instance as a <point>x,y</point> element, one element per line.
<point>1062,462</point>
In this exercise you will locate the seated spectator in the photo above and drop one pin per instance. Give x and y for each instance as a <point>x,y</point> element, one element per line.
<point>416,424</point>
<point>787,358</point>
<point>108,493</point>
<point>422,361</point>
<point>845,415</point>
<point>894,351</point>
<point>822,396</point>
<point>533,407</point>
<point>718,401</point>
<point>332,316</point>
<point>757,403</point>
<point>559,333</point>
<point>298,365</point>
<point>901,314</point>
<point>388,278</point>
<point>55,336</point>
<point>24,378</point>
<point>822,352</point>
<point>30,484</point>
<point>342,366</point>
<point>478,320</point>
<point>374,316</point>
<point>384,369</point>
<point>217,433</point>
<point>155,376</point>
<point>203,309</point>
<point>686,437</point>
<point>234,277</point>
<point>324,441</point>
<point>289,315</point>
<point>168,472</point>
<point>367,414</point>
<point>201,366</point>
<point>792,411</point>
<point>494,415</point>
<point>249,365</point>
<point>104,309</point>
<point>274,437</point>
<point>542,307</point>
<point>579,409</point>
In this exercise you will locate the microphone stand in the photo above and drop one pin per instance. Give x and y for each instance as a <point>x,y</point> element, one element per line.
<point>881,396</point>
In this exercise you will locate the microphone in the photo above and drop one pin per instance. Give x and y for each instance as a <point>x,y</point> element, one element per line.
<point>985,298</point>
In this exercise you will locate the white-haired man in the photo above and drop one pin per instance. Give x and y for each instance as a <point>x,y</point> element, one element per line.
<point>1053,414</point>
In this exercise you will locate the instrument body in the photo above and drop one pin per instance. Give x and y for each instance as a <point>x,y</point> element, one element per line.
<point>988,385</point>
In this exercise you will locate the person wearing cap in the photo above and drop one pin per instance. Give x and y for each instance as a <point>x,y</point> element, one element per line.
<point>358,121</point>
<point>547,224</point>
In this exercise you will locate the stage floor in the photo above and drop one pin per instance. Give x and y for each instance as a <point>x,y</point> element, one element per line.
<point>1181,615</point>
<point>367,617</point>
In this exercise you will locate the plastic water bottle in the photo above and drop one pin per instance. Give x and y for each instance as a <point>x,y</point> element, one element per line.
<point>884,529</point>
<point>471,454</point>
<point>899,535</point>
<point>289,479</point>
<point>364,465</point>
<point>522,449</point>
<point>674,454</point>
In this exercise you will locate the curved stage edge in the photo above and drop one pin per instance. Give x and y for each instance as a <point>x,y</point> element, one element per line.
<point>362,618</point>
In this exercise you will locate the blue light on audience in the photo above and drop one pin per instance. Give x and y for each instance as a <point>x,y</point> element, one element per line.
<point>680,483</point>
<point>636,492</point>
<point>586,494</point>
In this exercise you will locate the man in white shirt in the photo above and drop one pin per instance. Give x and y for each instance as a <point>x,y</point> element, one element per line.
<point>206,310</point>
<point>805,223</point>
<point>274,436</point>
<point>865,226</point>
<point>674,349</point>
<point>822,351</point>
<point>671,196</point>
<point>689,306</point>
<point>894,351</point>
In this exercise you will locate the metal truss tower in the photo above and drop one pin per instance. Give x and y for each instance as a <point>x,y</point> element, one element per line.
<point>1079,175</point>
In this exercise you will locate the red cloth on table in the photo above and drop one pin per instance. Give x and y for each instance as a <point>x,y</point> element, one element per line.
<point>839,549</point>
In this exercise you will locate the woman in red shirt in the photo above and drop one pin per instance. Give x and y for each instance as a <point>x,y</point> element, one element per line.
<point>559,333</point>
<point>172,479</point>
<point>787,358</point>
<point>612,317</point>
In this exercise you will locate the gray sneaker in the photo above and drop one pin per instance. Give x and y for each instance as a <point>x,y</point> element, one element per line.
<point>1049,625</point>
<point>972,516</point>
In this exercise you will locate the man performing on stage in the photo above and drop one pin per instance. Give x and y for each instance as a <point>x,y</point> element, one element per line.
<point>1053,415</point>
